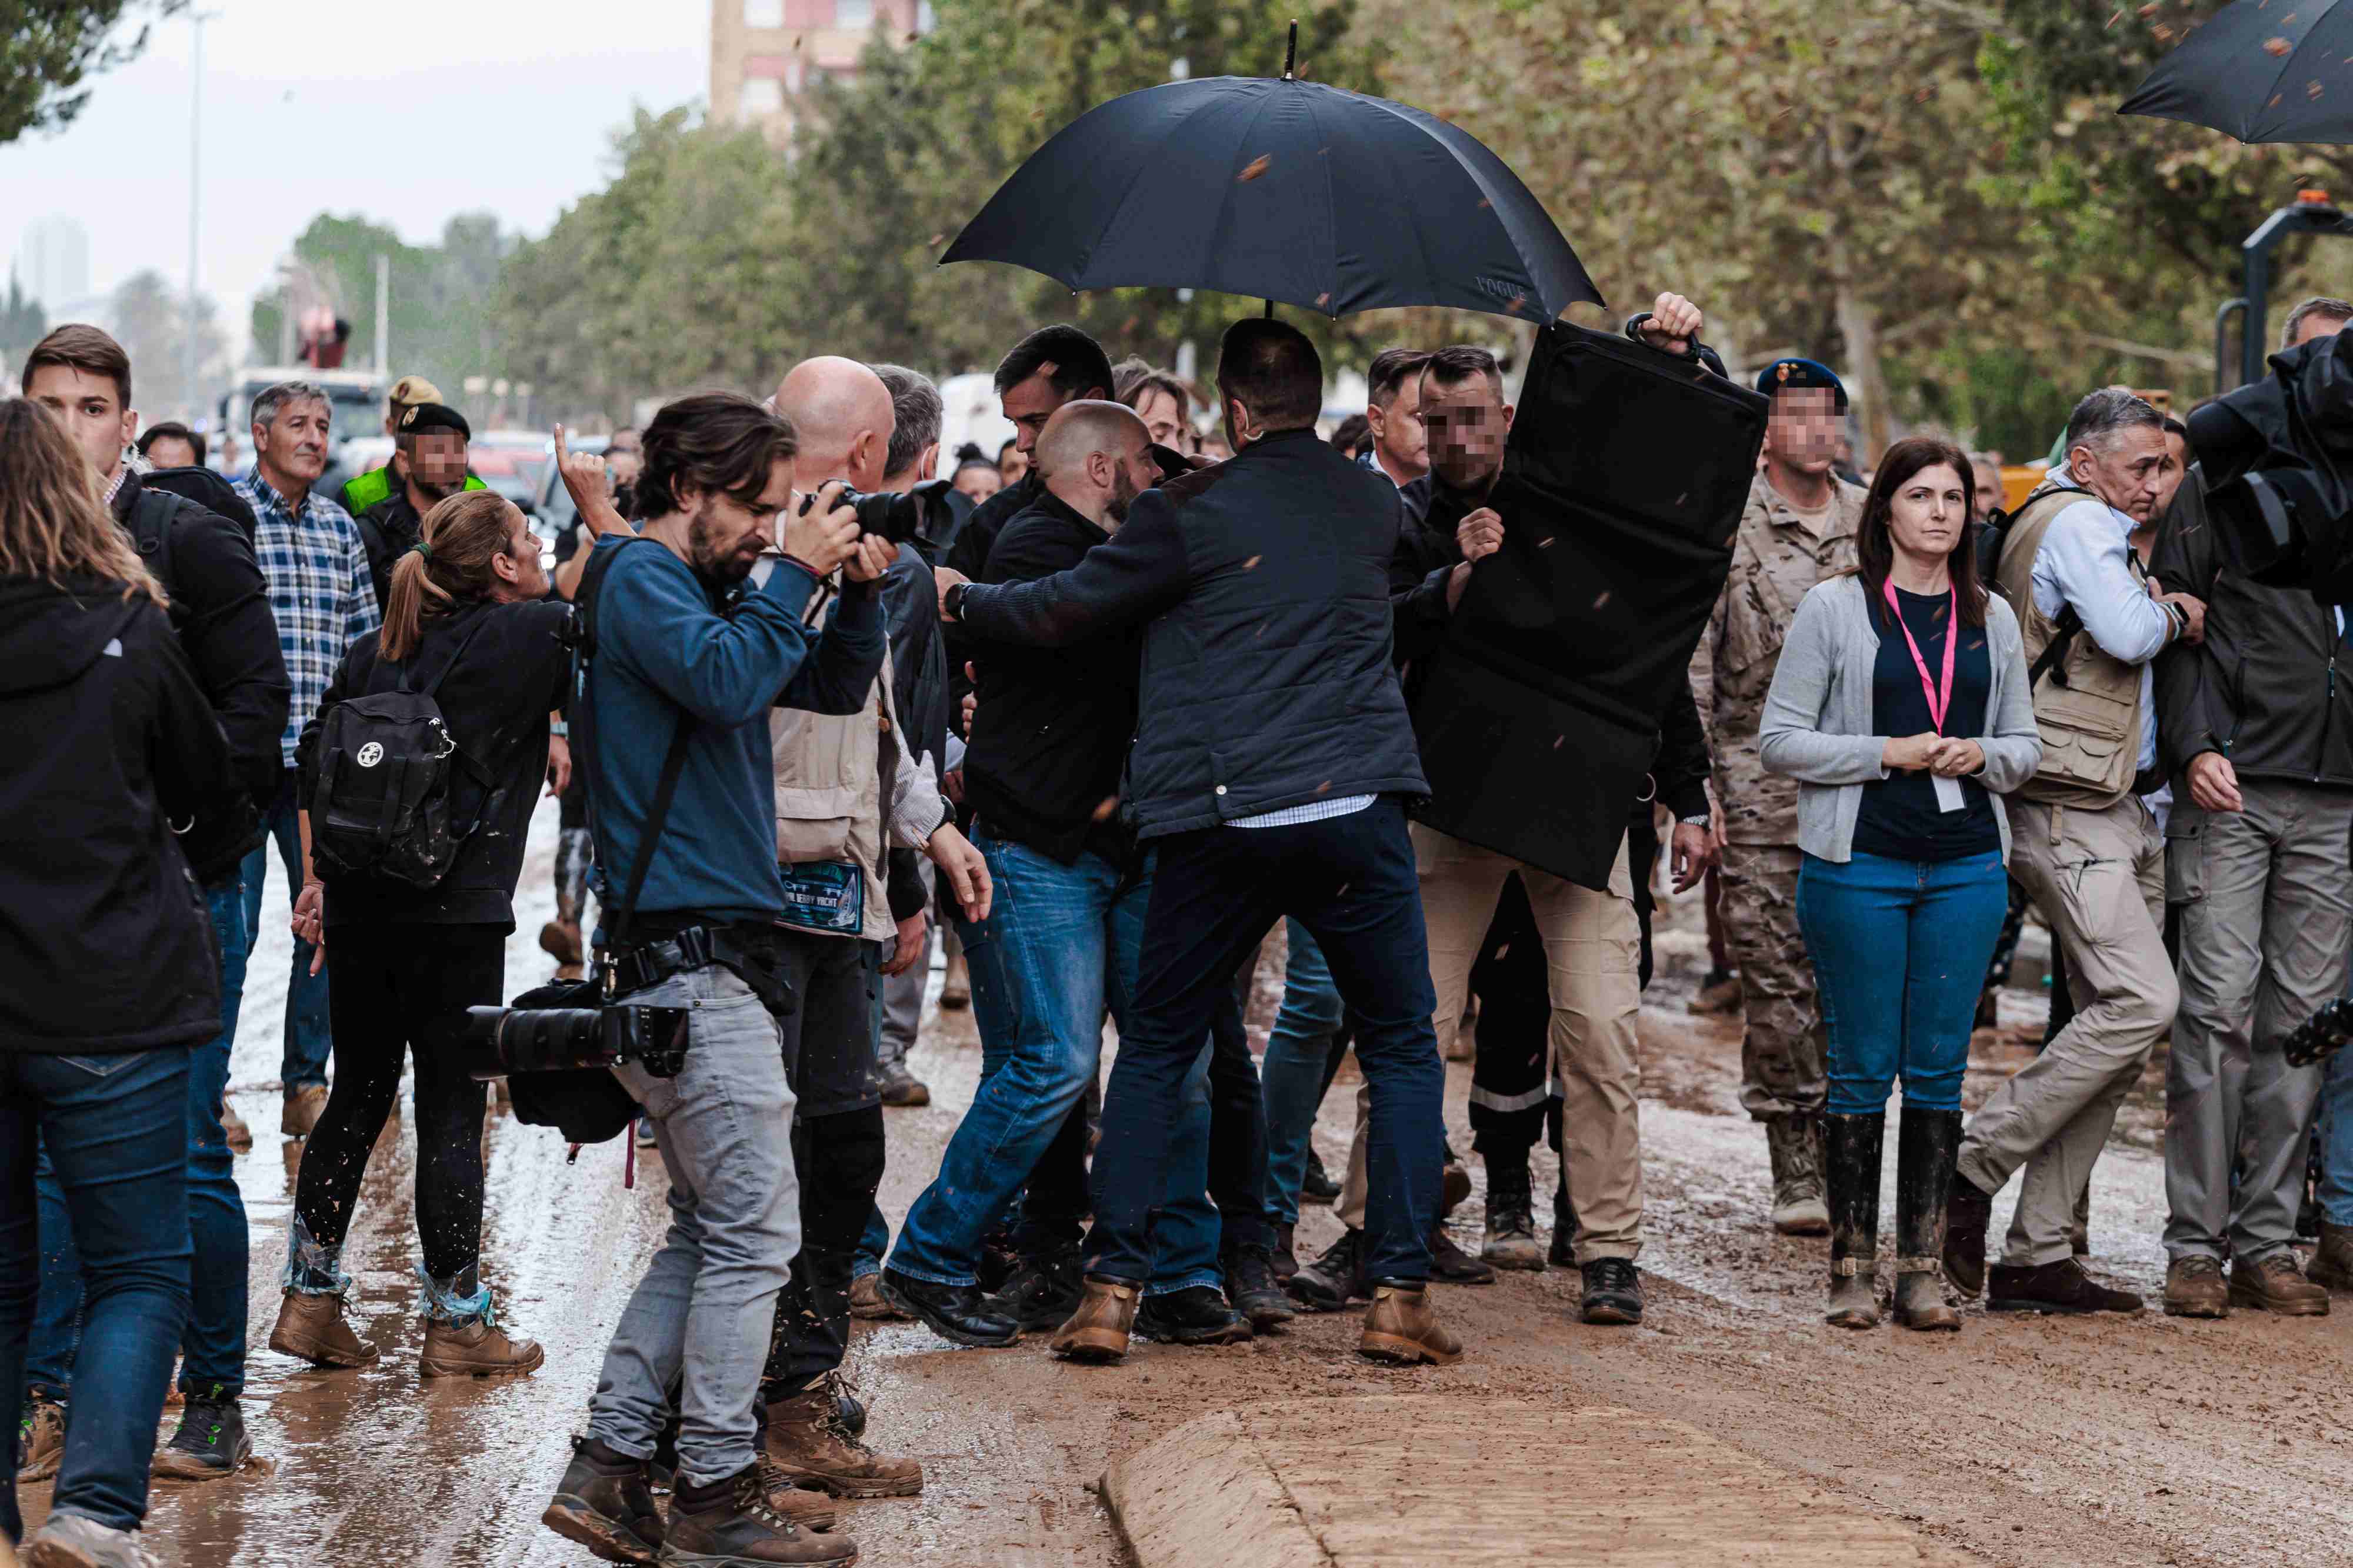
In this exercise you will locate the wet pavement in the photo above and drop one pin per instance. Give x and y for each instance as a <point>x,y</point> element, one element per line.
<point>2149,1440</point>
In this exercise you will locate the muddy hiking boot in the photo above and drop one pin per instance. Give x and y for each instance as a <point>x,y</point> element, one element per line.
<point>1969,1215</point>
<point>1719,991</point>
<point>1449,1264</point>
<point>1853,1146</point>
<point>476,1348</point>
<point>560,940</point>
<point>313,1327</point>
<point>1403,1330</point>
<point>731,1523</point>
<point>1328,1284</point>
<point>865,1300</point>
<point>604,1503</point>
<point>2063,1289</point>
<point>1098,1331</point>
<point>1255,1289</point>
<point>808,1439</point>
<point>1926,1145</point>
<point>2277,1285</point>
<point>1283,1255</point>
<point>303,1109</point>
<point>2332,1264</point>
<point>1795,1143</point>
<point>234,1130</point>
<point>72,1540</point>
<point>211,1442</point>
<point>40,1439</point>
<point>958,1313</point>
<point>804,1506</point>
<point>1196,1315</point>
<point>903,1089</point>
<point>2194,1288</point>
<point>1613,1292</point>
<point>1510,1241</point>
<point>1041,1293</point>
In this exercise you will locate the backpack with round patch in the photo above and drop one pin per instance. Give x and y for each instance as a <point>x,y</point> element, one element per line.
<point>382,804</point>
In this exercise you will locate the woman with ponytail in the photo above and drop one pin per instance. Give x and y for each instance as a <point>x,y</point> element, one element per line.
<point>467,619</point>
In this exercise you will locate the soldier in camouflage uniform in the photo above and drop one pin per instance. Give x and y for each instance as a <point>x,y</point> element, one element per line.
<point>1798,527</point>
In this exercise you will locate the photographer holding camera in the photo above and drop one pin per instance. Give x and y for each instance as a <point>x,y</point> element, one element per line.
<point>466,625</point>
<point>671,716</point>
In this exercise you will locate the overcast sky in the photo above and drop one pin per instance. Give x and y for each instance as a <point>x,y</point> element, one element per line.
<point>407,114</point>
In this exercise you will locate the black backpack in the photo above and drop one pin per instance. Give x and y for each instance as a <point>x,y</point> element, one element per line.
<point>385,766</point>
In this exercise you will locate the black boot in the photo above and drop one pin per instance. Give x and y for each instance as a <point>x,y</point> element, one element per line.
<point>1854,1143</point>
<point>1511,1239</point>
<point>1926,1145</point>
<point>603,1503</point>
<point>959,1313</point>
<point>1562,1254</point>
<point>1969,1215</point>
<point>1039,1292</point>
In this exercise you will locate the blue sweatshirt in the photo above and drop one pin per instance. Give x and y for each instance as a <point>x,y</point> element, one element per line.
<point>663,652</point>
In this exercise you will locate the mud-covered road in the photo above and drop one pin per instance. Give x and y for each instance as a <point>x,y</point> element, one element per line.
<point>2022,1441</point>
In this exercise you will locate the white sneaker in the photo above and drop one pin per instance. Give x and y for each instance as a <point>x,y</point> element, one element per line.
<point>69,1541</point>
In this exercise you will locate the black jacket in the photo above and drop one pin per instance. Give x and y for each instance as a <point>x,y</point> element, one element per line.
<point>513,672</point>
<point>2271,686</point>
<point>969,555</point>
<point>104,937</point>
<point>220,611</point>
<point>1267,679</point>
<point>389,531</point>
<point>1051,736</point>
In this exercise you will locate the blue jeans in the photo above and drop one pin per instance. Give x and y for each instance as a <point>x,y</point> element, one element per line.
<point>1298,1050</point>
<point>1899,948</point>
<point>309,1036</point>
<point>116,1129</point>
<point>2337,1139</point>
<point>1067,942</point>
<point>213,1352</point>
<point>871,1246</point>
<point>1217,891</point>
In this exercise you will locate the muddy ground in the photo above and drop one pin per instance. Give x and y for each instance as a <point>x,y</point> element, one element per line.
<point>2027,1441</point>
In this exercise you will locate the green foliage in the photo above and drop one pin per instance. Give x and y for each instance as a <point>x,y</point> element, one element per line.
<point>50,48</point>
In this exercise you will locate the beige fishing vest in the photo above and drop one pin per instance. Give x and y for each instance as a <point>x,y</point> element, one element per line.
<point>2088,707</point>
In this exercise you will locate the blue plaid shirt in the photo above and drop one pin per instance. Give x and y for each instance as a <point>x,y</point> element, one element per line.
<point>320,590</point>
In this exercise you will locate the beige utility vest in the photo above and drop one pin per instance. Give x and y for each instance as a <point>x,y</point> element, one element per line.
<point>833,790</point>
<point>2088,706</point>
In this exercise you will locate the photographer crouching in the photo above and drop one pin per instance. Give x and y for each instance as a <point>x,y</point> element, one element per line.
<point>670,714</point>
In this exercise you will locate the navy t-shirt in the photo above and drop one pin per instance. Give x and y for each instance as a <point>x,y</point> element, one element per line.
<point>1900,817</point>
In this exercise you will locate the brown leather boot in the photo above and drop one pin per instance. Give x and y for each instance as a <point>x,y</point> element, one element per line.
<point>733,1521</point>
<point>313,1327</point>
<point>1403,1330</point>
<point>234,1130</point>
<point>2194,1289</point>
<point>810,1447</point>
<point>1098,1331</point>
<point>304,1107</point>
<point>865,1300</point>
<point>2277,1285</point>
<point>479,1349</point>
<point>804,1506</point>
<point>2332,1265</point>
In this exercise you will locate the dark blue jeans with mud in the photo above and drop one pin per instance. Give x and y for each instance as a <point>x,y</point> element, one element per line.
<point>212,1352</point>
<point>116,1130</point>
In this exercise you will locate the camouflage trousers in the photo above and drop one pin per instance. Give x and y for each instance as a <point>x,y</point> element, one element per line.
<point>1783,1052</point>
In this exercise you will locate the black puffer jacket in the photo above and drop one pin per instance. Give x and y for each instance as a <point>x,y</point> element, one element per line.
<point>104,937</point>
<point>1267,678</point>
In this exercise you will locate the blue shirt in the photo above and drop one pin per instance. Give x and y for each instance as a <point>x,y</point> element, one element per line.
<point>664,652</point>
<point>320,591</point>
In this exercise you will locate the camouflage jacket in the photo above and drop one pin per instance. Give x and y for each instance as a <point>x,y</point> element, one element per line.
<point>1776,560</point>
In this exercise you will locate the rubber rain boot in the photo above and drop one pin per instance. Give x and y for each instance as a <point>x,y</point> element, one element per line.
<point>1926,1143</point>
<point>1854,1145</point>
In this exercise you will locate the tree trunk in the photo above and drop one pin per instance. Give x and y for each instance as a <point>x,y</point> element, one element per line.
<point>1858,319</point>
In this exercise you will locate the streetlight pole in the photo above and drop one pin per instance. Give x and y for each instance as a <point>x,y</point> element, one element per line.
<point>195,211</point>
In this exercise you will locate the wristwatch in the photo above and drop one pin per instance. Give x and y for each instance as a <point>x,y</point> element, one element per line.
<point>1702,820</point>
<point>954,602</point>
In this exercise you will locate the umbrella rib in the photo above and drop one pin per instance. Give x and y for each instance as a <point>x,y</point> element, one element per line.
<point>1397,112</point>
<point>1331,225</point>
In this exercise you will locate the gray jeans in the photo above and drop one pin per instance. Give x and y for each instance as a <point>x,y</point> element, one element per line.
<point>2267,908</point>
<point>2099,878</point>
<point>700,1319</point>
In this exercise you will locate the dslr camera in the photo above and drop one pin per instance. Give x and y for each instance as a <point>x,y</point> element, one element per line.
<point>503,1041</point>
<point>926,517</point>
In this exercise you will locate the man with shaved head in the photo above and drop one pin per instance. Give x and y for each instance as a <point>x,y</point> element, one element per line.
<point>1042,774</point>
<point>849,797</point>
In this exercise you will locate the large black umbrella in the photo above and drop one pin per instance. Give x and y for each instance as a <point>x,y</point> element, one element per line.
<point>1281,190</point>
<point>2263,70</point>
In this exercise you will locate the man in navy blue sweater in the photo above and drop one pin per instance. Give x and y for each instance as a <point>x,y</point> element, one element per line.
<point>672,653</point>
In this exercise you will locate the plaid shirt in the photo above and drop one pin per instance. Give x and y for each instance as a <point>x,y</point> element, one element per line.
<point>320,590</point>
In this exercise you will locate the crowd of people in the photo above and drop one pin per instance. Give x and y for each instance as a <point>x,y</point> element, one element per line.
<point>1107,706</point>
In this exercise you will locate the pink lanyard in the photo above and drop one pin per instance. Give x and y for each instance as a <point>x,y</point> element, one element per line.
<point>1939,704</point>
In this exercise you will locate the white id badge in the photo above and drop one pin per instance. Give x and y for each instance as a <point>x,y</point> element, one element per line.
<point>1948,792</point>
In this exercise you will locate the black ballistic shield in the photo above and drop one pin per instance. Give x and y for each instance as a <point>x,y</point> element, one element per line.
<point>1622,486</point>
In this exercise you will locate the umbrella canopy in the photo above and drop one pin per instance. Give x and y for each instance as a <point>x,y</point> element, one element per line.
<point>1282,190</point>
<point>2281,71</point>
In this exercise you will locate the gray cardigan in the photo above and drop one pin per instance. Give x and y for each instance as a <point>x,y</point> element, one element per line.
<point>1817,724</point>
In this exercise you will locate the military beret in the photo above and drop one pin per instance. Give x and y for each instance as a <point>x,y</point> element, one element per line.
<point>1796,374</point>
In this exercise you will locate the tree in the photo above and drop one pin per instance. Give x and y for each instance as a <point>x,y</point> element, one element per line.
<point>151,319</point>
<point>49,47</point>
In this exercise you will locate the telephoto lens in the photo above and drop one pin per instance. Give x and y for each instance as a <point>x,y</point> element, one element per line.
<point>504,1041</point>
<point>2317,1037</point>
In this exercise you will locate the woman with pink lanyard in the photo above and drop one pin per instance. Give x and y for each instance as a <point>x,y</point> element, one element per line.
<point>1900,705</point>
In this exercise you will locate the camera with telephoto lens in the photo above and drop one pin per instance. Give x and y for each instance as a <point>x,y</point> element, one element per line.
<point>926,515</point>
<point>2320,1036</point>
<point>508,1040</point>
